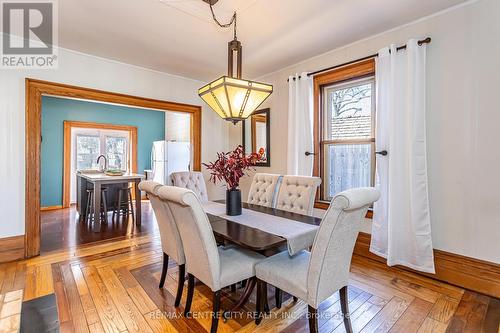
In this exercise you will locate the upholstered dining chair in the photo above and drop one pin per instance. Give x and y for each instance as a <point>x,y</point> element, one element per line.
<point>314,276</point>
<point>264,189</point>
<point>216,267</point>
<point>192,180</point>
<point>170,239</point>
<point>297,193</point>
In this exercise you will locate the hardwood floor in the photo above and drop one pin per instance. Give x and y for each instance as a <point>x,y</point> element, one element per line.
<point>112,286</point>
<point>61,229</point>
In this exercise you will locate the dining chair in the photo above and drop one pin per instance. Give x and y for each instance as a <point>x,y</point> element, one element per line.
<point>170,239</point>
<point>314,276</point>
<point>297,193</point>
<point>192,180</point>
<point>264,189</point>
<point>216,267</point>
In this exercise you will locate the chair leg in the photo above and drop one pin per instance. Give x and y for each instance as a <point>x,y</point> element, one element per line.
<point>313,319</point>
<point>164,270</point>
<point>345,309</point>
<point>131,205</point>
<point>118,206</point>
<point>87,207</point>
<point>190,293</point>
<point>215,313</point>
<point>278,297</point>
<point>180,284</point>
<point>105,207</point>
<point>265,300</point>
<point>259,304</point>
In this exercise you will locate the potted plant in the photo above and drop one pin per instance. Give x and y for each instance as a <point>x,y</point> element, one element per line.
<point>230,167</point>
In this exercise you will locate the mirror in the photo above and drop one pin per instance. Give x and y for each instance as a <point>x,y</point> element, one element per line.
<point>256,135</point>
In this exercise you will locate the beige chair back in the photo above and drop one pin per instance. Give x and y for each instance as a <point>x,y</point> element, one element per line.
<point>334,243</point>
<point>171,242</point>
<point>264,189</point>
<point>192,180</point>
<point>297,193</point>
<point>200,248</point>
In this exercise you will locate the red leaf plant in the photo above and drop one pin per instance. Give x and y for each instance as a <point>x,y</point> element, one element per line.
<point>231,166</point>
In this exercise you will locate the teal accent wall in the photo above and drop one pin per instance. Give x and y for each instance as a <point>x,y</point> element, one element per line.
<point>150,127</point>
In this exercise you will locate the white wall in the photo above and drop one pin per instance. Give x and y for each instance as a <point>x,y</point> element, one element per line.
<point>86,71</point>
<point>463,121</point>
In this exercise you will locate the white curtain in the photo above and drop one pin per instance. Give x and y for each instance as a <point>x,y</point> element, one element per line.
<point>300,125</point>
<point>401,229</point>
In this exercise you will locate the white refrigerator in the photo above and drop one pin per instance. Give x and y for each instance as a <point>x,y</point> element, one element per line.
<point>168,157</point>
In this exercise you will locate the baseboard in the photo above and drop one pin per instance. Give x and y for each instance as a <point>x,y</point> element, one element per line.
<point>473,274</point>
<point>51,208</point>
<point>11,248</point>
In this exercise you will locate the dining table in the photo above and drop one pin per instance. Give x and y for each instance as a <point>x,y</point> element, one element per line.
<point>261,229</point>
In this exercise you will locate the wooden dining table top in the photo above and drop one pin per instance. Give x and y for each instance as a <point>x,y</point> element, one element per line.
<point>252,238</point>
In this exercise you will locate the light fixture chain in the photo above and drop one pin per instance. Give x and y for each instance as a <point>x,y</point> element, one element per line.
<point>225,25</point>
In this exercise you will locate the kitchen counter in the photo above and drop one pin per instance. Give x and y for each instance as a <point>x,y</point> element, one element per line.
<point>96,180</point>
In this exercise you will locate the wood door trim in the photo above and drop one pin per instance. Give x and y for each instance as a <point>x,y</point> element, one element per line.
<point>466,272</point>
<point>34,90</point>
<point>68,126</point>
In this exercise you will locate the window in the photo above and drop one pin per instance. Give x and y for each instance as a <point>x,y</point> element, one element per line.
<point>345,132</point>
<point>90,143</point>
<point>116,152</point>
<point>87,151</point>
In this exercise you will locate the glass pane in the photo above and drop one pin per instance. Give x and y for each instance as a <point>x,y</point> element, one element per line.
<point>116,151</point>
<point>87,151</point>
<point>349,111</point>
<point>347,166</point>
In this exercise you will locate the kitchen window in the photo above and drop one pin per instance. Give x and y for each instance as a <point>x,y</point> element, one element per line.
<point>90,143</point>
<point>345,129</point>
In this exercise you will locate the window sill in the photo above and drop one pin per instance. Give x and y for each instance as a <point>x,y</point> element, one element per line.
<point>324,205</point>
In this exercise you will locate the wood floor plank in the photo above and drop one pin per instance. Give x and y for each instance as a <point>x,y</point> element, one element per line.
<point>413,317</point>
<point>443,309</point>
<point>131,316</point>
<point>63,311</point>
<point>492,317</point>
<point>106,309</point>
<point>470,313</point>
<point>158,322</point>
<point>74,301</point>
<point>432,326</point>
<point>88,305</point>
<point>387,317</point>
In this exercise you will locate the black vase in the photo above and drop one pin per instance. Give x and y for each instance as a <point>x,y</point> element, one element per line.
<point>233,202</point>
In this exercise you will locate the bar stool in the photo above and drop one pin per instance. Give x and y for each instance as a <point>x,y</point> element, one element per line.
<point>103,212</point>
<point>124,207</point>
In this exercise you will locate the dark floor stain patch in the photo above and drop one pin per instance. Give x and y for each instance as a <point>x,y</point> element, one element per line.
<point>39,315</point>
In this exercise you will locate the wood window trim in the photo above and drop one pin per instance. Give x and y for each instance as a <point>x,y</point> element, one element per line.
<point>34,90</point>
<point>68,126</point>
<point>357,70</point>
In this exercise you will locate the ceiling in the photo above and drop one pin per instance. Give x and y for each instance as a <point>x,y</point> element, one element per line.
<point>179,36</point>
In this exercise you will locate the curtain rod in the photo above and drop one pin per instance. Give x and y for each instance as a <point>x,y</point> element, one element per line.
<point>399,48</point>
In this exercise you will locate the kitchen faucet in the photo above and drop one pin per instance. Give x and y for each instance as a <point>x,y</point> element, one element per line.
<point>105,162</point>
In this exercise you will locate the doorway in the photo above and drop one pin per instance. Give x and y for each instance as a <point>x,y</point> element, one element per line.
<point>35,90</point>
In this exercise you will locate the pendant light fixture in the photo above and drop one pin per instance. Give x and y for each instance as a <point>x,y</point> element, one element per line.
<point>231,96</point>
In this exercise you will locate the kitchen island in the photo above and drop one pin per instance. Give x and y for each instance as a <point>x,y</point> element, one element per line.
<point>96,180</point>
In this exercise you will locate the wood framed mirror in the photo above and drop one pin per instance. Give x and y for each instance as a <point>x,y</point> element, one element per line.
<point>256,134</point>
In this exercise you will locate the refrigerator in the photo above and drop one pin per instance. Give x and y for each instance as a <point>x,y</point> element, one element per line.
<point>168,157</point>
